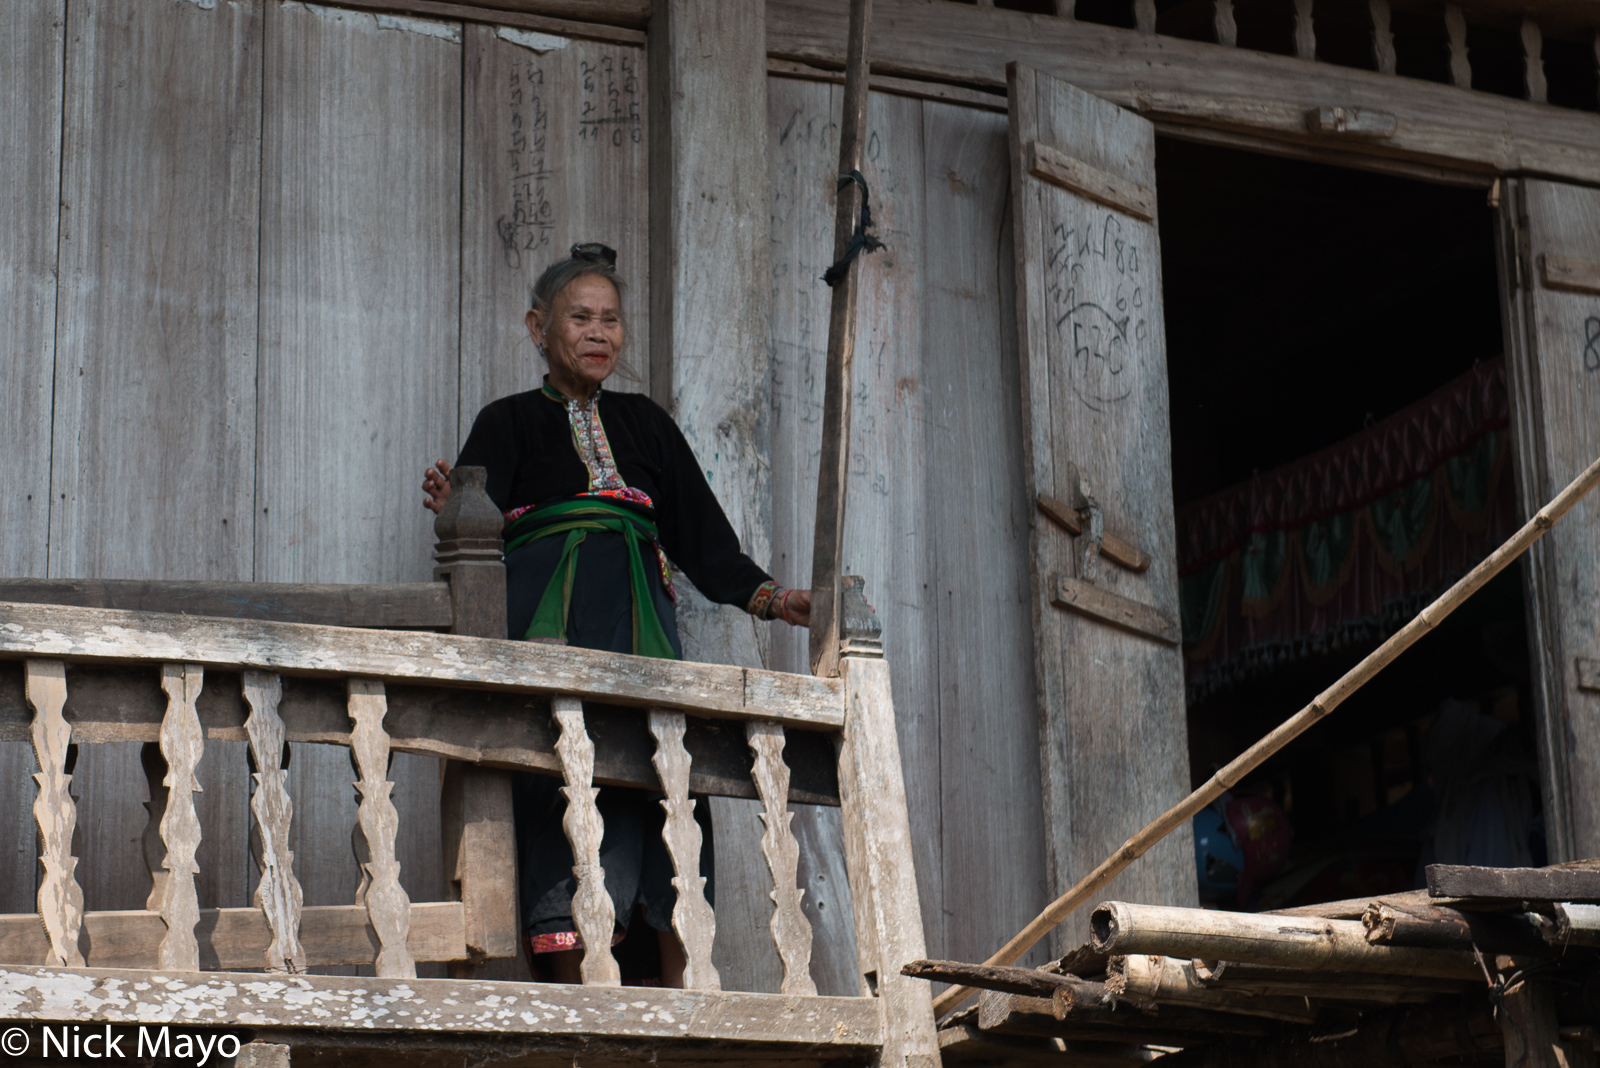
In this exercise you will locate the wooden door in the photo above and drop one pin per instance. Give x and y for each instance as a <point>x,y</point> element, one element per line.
<point>1097,457</point>
<point>1550,262</point>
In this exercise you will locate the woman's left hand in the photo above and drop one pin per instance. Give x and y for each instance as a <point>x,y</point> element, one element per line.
<point>796,609</point>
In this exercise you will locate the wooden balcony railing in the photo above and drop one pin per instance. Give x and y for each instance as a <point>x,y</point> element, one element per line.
<point>73,676</point>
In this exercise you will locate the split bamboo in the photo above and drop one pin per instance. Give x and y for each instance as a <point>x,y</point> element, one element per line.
<point>1252,758</point>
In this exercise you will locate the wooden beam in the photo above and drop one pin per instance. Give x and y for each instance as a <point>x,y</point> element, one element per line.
<point>527,15</point>
<point>84,634</point>
<point>117,703</point>
<point>1569,273</point>
<point>1113,548</point>
<point>1199,83</point>
<point>1053,165</point>
<point>634,13</point>
<point>1514,885</point>
<point>883,83</point>
<point>409,606</point>
<point>1089,600</point>
<point>333,1003</point>
<point>1030,982</point>
<point>239,937</point>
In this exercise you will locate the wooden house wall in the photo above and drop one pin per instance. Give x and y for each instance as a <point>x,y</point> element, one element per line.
<point>937,520</point>
<point>289,274</point>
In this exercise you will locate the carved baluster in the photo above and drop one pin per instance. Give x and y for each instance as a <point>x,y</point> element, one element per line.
<point>692,917</point>
<point>278,894</point>
<point>1533,62</point>
<point>182,742</point>
<point>1383,56</point>
<point>377,824</point>
<point>1066,8</point>
<point>592,910</point>
<point>1305,35</point>
<point>1144,15</point>
<point>60,897</point>
<point>1455,24</point>
<point>791,931</point>
<point>1227,30</point>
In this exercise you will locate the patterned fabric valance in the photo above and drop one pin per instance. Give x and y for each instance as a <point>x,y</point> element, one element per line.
<point>1343,546</point>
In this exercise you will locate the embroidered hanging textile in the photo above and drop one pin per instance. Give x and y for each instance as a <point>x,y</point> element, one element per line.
<point>1342,547</point>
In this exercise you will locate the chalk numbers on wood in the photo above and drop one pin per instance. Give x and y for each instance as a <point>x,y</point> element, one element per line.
<point>609,113</point>
<point>532,219</point>
<point>1591,343</point>
<point>1097,281</point>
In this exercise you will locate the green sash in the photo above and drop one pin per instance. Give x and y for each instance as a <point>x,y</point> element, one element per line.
<point>576,519</point>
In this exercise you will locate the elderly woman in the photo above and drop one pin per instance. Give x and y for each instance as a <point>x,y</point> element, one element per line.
<point>599,490</point>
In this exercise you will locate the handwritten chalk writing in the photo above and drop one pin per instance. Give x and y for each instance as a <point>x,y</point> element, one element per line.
<point>1591,344</point>
<point>1096,280</point>
<point>609,110</point>
<point>531,221</point>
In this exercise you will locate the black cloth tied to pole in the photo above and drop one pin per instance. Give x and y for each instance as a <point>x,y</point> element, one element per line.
<point>860,241</point>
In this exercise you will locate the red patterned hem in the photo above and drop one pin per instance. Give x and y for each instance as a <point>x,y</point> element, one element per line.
<point>557,941</point>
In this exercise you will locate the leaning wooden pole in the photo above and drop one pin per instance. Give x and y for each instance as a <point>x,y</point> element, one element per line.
<point>1292,728</point>
<point>833,476</point>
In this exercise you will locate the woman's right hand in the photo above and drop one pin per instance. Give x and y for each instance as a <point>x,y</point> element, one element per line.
<point>436,484</point>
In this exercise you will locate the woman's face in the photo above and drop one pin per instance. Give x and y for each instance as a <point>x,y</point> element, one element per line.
<point>581,334</point>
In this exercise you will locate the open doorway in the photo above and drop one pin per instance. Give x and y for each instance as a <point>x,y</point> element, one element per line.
<point>1340,455</point>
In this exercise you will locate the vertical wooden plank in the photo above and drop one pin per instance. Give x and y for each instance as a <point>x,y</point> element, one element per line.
<point>32,37</point>
<point>692,918</point>
<point>592,910</point>
<point>791,931</point>
<point>878,841</point>
<point>554,153</point>
<point>278,893</point>
<point>1553,369</point>
<point>60,900</point>
<point>825,897</point>
<point>888,537</point>
<point>360,278</point>
<point>377,828</point>
<point>182,744</point>
<point>480,858</point>
<point>1114,746</point>
<point>359,375</point>
<point>156,323</point>
<point>990,864</point>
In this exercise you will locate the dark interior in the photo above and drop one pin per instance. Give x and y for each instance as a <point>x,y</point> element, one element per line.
<point>1303,303</point>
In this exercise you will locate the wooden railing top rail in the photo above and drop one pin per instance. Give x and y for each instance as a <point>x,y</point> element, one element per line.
<point>402,605</point>
<point>114,636</point>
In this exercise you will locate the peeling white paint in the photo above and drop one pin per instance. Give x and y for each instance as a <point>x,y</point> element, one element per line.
<point>203,5</point>
<point>448,31</point>
<point>535,42</point>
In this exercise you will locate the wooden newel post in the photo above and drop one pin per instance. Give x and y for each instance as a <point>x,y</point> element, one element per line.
<point>480,847</point>
<point>468,555</point>
<point>877,841</point>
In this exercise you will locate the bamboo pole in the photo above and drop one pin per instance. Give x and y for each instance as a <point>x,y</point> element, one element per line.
<point>833,474</point>
<point>1121,927</point>
<point>1296,725</point>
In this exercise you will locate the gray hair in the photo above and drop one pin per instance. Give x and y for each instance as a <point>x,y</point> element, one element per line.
<point>563,273</point>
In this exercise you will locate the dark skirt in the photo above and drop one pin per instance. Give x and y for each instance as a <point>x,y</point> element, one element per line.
<point>637,866</point>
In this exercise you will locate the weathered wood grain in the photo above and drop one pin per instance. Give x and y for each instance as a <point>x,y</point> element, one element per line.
<point>1092,348</point>
<point>60,899</point>
<point>1112,547</point>
<point>878,850</point>
<point>1569,273</point>
<point>411,605</point>
<point>480,858</point>
<point>1383,54</point>
<point>337,1003</point>
<point>692,918</point>
<point>1513,884</point>
<point>1053,165</point>
<point>791,932</point>
<point>1239,89</point>
<point>388,908</point>
<point>359,331</point>
<point>333,935</point>
<point>31,58</point>
<point>1588,675</point>
<point>1118,611</point>
<point>1553,370</point>
<point>288,648</point>
<point>156,319</point>
<point>912,87</point>
<point>278,894</point>
<point>592,910</point>
<point>504,14</point>
<point>182,744</point>
<point>554,152</point>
